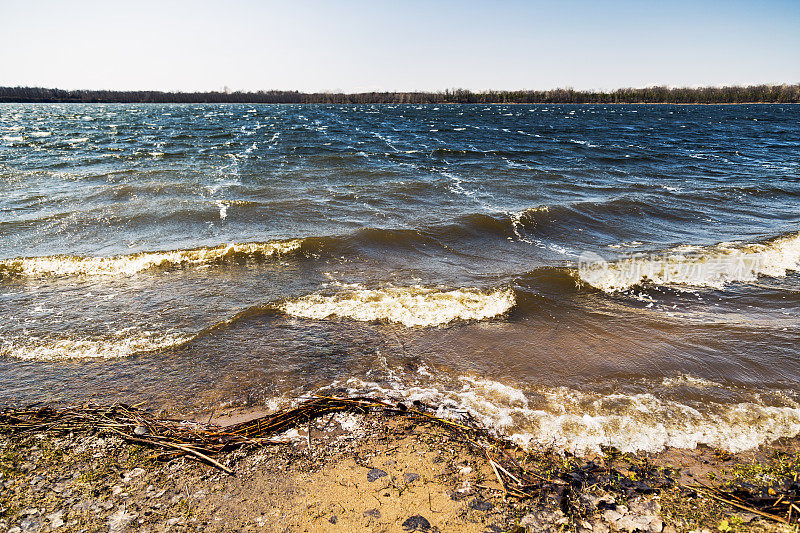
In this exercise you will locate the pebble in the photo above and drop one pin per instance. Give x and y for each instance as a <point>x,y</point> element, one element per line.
<point>29,524</point>
<point>375,473</point>
<point>374,513</point>
<point>136,472</point>
<point>416,523</point>
<point>410,477</point>
<point>544,520</point>
<point>56,519</point>
<point>480,505</point>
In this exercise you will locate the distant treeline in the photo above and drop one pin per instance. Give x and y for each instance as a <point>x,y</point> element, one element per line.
<point>650,95</point>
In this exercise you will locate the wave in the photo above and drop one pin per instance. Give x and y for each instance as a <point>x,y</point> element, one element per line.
<point>78,265</point>
<point>409,306</point>
<point>695,266</point>
<point>582,422</point>
<point>536,225</point>
<point>412,306</point>
<point>123,345</point>
<point>479,154</point>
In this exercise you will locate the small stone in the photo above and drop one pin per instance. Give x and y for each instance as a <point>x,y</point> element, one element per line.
<point>29,524</point>
<point>332,519</point>
<point>372,513</point>
<point>140,430</point>
<point>416,523</point>
<point>599,527</point>
<point>544,520</point>
<point>14,529</point>
<point>173,521</point>
<point>480,505</point>
<point>410,477</point>
<point>83,506</point>
<point>466,470</point>
<point>136,472</point>
<point>56,519</point>
<point>375,473</point>
<point>612,516</point>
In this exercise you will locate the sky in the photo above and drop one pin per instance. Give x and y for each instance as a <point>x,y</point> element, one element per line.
<point>353,45</point>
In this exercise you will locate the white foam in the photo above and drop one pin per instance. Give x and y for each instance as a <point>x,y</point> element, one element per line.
<point>223,209</point>
<point>689,380</point>
<point>583,422</point>
<point>69,265</point>
<point>61,349</point>
<point>410,306</point>
<point>692,266</point>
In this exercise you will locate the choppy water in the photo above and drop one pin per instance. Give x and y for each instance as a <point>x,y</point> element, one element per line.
<point>573,275</point>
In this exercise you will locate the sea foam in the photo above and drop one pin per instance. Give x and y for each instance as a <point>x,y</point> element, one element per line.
<point>694,266</point>
<point>72,265</point>
<point>410,306</point>
<point>582,422</point>
<point>124,345</point>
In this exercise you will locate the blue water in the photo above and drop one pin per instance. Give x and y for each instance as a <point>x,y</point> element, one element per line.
<point>571,271</point>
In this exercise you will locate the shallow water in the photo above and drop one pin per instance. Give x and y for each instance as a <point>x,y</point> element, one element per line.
<point>572,275</point>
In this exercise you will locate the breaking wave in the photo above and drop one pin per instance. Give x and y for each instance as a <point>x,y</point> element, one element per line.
<point>583,422</point>
<point>77,265</point>
<point>100,348</point>
<point>410,306</point>
<point>695,266</point>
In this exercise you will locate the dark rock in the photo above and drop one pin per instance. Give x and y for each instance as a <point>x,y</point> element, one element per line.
<point>410,477</point>
<point>416,523</point>
<point>372,513</point>
<point>480,505</point>
<point>332,519</point>
<point>375,473</point>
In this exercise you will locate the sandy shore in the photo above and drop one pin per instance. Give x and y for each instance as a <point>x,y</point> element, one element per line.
<point>364,473</point>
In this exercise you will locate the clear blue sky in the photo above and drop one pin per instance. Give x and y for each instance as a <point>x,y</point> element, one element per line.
<point>412,45</point>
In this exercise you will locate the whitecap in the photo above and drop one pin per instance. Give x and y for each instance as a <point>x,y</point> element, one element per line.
<point>410,306</point>
<point>695,266</point>
<point>127,265</point>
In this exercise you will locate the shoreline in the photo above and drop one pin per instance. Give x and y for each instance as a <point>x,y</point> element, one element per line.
<point>377,473</point>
